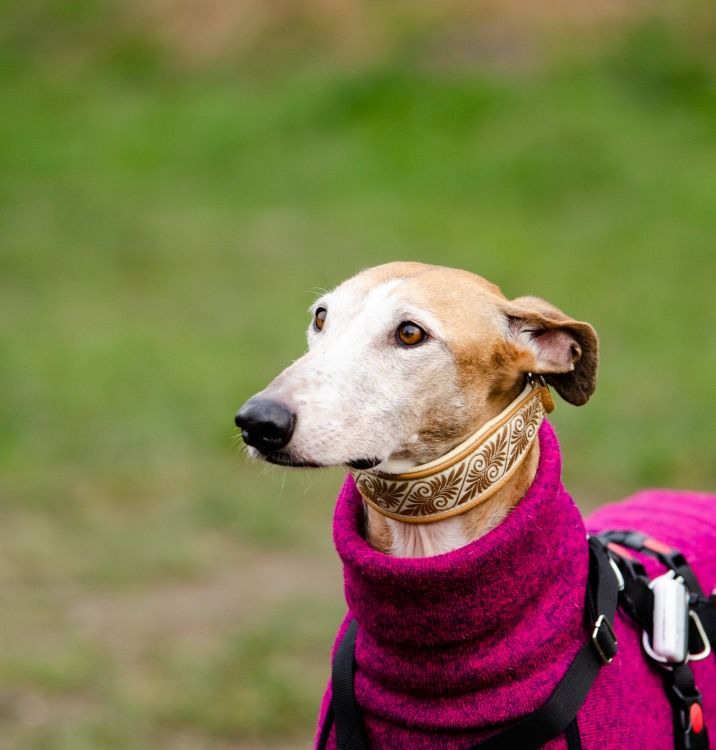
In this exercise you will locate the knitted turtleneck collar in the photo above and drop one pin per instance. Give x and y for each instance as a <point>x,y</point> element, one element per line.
<point>478,636</point>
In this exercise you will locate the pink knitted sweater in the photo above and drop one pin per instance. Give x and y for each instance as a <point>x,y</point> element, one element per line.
<point>454,647</point>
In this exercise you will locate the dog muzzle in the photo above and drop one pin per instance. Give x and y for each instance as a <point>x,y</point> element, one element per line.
<point>470,473</point>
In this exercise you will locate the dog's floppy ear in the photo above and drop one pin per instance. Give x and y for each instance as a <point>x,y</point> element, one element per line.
<point>564,351</point>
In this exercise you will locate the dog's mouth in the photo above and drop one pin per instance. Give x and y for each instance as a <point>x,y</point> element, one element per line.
<point>285,458</point>
<point>282,458</point>
<point>363,463</point>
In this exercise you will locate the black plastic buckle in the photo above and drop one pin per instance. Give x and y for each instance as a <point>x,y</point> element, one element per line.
<point>604,639</point>
<point>689,717</point>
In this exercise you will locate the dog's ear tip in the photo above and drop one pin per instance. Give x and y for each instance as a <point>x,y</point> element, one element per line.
<point>579,399</point>
<point>571,389</point>
<point>565,351</point>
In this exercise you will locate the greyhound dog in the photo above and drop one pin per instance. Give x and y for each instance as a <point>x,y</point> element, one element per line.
<point>465,560</point>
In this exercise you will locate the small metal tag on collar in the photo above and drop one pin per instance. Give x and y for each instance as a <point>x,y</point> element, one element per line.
<point>604,639</point>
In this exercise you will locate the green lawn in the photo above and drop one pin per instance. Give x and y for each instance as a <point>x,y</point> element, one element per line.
<point>162,233</point>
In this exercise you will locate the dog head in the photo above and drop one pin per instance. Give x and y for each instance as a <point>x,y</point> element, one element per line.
<point>404,361</point>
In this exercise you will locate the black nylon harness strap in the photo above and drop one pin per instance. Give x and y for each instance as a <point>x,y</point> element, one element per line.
<point>683,695</point>
<point>571,734</point>
<point>326,728</point>
<point>350,732</point>
<point>555,716</point>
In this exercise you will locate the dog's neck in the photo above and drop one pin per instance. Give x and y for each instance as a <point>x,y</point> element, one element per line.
<point>418,514</point>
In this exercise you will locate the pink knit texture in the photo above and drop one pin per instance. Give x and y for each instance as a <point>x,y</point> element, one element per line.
<point>454,647</point>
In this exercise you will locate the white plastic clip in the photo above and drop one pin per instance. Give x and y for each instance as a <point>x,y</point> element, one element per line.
<point>670,637</point>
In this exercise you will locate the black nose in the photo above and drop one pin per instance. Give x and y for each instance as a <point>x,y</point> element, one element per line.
<point>266,425</point>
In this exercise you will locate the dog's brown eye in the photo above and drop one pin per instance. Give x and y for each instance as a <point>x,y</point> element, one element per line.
<point>319,318</point>
<point>410,334</point>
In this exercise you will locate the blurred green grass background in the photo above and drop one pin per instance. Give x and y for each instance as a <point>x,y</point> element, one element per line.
<point>177,179</point>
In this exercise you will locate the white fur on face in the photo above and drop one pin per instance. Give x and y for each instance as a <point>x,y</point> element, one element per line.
<point>357,393</point>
